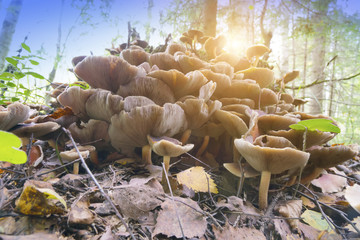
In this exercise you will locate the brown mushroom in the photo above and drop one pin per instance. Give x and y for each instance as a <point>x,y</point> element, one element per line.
<point>256,51</point>
<point>134,56</point>
<point>15,113</point>
<point>269,161</point>
<point>86,151</point>
<point>263,76</point>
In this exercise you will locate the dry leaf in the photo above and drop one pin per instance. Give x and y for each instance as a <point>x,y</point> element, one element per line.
<point>244,233</point>
<point>193,223</point>
<point>197,179</point>
<point>352,195</point>
<point>136,200</point>
<point>307,202</point>
<point>291,209</point>
<point>80,213</point>
<point>282,228</point>
<point>330,183</point>
<point>316,220</point>
<point>39,198</point>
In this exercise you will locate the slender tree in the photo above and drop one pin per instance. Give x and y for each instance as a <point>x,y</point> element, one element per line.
<point>209,19</point>
<point>8,29</point>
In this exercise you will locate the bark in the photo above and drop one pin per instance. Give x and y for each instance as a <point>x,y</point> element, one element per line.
<point>267,35</point>
<point>8,29</point>
<point>210,12</point>
<point>318,56</point>
<point>305,60</point>
<point>332,82</point>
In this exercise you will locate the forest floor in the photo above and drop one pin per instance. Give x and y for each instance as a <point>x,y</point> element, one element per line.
<point>50,202</point>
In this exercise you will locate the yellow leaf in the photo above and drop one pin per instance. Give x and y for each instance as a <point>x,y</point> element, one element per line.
<point>316,220</point>
<point>51,194</point>
<point>197,179</point>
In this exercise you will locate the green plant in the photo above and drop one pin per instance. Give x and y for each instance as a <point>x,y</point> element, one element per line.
<point>9,152</point>
<point>18,77</point>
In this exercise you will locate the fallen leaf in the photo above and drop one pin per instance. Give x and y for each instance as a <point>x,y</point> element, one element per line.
<point>356,222</point>
<point>307,202</point>
<point>136,199</point>
<point>244,233</point>
<point>316,220</point>
<point>282,228</point>
<point>330,183</point>
<point>36,155</point>
<point>197,179</point>
<point>37,198</point>
<point>237,204</point>
<point>193,223</point>
<point>291,210</point>
<point>34,236</point>
<point>80,213</point>
<point>9,152</point>
<point>352,195</point>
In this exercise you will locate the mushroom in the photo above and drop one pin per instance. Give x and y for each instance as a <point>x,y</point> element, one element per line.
<point>222,81</point>
<point>164,61</point>
<point>134,56</point>
<point>167,148</point>
<point>106,72</point>
<point>85,152</point>
<point>325,157</point>
<point>256,51</point>
<point>263,76</point>
<point>268,160</point>
<point>172,48</point>
<point>188,64</point>
<point>224,68</point>
<point>214,45</point>
<point>15,113</point>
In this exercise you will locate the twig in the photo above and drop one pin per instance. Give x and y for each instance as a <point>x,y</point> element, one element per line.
<point>198,160</point>
<point>98,185</point>
<point>172,199</point>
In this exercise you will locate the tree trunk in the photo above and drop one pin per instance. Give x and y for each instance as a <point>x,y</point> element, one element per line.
<point>318,55</point>
<point>8,29</point>
<point>267,35</point>
<point>210,12</point>
<point>332,82</point>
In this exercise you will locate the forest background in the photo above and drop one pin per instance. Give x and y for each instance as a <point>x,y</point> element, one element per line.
<point>320,38</point>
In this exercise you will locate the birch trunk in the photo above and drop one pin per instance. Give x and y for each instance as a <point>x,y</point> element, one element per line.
<point>8,29</point>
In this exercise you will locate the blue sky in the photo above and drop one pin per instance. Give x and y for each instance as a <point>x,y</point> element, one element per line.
<point>39,21</point>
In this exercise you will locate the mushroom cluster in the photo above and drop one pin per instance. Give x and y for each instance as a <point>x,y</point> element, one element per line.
<point>224,104</point>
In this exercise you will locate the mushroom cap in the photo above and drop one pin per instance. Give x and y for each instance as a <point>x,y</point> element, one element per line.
<point>106,72</point>
<point>287,98</point>
<point>224,68</point>
<point>245,101</point>
<point>134,56</point>
<point>214,45</point>
<point>268,97</point>
<point>179,83</point>
<point>14,113</point>
<point>130,129</point>
<point>188,64</point>
<point>272,142</point>
<point>256,50</point>
<point>95,131</point>
<point>327,157</point>
<point>274,160</point>
<point>164,61</point>
<point>263,76</point>
<point>198,111</point>
<point>192,33</point>
<point>242,64</point>
<point>72,154</point>
<point>222,81</point>
<point>207,90</point>
<point>296,137</point>
<point>77,59</point>
<point>242,89</point>
<point>102,105</point>
<point>165,146</point>
<point>140,43</point>
<point>172,48</point>
<point>149,87</point>
<point>233,124</point>
<point>291,76</point>
<point>234,168</point>
<point>37,130</point>
<point>75,98</point>
<point>229,58</point>
<point>269,122</point>
<point>186,39</point>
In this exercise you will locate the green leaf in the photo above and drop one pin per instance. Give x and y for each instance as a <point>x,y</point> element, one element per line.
<point>12,61</point>
<point>26,47</point>
<point>316,220</point>
<point>15,99</point>
<point>33,62</point>
<point>251,7</point>
<point>35,75</point>
<point>18,75</point>
<point>11,84</point>
<point>320,124</point>
<point>9,152</point>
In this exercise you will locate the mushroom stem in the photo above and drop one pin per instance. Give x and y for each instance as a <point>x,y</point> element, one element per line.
<point>146,154</point>
<point>256,61</point>
<point>264,188</point>
<point>236,154</point>
<point>185,136</point>
<point>203,146</point>
<point>76,168</point>
<point>166,160</point>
